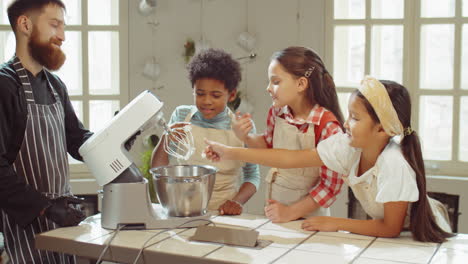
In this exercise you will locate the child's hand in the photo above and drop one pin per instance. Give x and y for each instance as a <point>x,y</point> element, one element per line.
<point>277,212</point>
<point>320,223</point>
<point>177,131</point>
<point>242,125</point>
<point>215,151</point>
<point>230,207</point>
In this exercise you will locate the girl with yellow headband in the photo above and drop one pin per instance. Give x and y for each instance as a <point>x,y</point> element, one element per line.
<point>386,176</point>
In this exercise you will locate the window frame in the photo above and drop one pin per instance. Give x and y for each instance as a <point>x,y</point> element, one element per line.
<point>412,23</point>
<point>80,171</point>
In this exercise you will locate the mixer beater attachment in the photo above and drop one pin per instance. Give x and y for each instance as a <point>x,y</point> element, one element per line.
<point>179,141</point>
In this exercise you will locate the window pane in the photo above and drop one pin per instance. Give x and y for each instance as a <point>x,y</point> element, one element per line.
<point>104,63</point>
<point>465,8</point>
<point>3,13</point>
<point>463,154</point>
<point>103,12</point>
<point>464,58</point>
<point>349,52</point>
<point>7,45</point>
<point>73,15</point>
<point>350,9</point>
<point>388,8</point>
<point>387,53</point>
<point>437,8</point>
<point>100,112</point>
<point>71,71</point>
<point>435,127</point>
<point>78,107</point>
<point>436,58</point>
<point>343,100</point>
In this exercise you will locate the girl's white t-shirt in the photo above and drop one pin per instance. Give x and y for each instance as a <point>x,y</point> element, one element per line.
<point>390,180</point>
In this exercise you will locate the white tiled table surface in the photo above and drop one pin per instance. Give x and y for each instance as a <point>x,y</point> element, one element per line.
<point>290,244</point>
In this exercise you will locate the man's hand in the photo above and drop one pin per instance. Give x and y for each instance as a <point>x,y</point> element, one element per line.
<point>61,212</point>
<point>242,125</point>
<point>230,207</point>
<point>277,212</point>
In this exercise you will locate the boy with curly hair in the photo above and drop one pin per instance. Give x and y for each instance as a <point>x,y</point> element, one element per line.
<point>214,76</point>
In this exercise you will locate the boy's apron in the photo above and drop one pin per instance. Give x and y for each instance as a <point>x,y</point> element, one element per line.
<point>288,186</point>
<point>228,175</point>
<point>42,162</point>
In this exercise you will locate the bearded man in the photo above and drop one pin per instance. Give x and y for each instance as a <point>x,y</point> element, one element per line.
<point>38,126</point>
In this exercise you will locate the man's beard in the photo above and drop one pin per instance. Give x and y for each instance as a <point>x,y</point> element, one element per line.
<point>46,54</point>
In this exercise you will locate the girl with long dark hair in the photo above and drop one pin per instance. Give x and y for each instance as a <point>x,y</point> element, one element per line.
<point>305,111</point>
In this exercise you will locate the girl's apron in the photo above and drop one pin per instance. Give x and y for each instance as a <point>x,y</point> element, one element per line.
<point>42,162</point>
<point>288,186</point>
<point>228,176</point>
<point>365,189</point>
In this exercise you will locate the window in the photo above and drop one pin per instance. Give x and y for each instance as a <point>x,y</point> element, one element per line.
<point>95,71</point>
<point>422,44</point>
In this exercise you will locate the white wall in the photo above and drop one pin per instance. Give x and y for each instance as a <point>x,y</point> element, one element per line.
<point>276,24</point>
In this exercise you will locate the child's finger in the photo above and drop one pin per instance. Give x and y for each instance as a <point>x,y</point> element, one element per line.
<point>243,122</point>
<point>247,126</point>
<point>246,115</point>
<point>209,155</point>
<point>309,226</point>
<point>207,148</point>
<point>178,135</point>
<point>240,121</point>
<point>234,209</point>
<point>270,209</point>
<point>208,142</point>
<point>214,157</point>
<point>246,118</point>
<point>268,215</point>
<point>240,116</point>
<point>179,125</point>
<point>206,154</point>
<point>220,209</point>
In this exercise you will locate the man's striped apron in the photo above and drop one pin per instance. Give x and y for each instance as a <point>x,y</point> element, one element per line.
<point>42,162</point>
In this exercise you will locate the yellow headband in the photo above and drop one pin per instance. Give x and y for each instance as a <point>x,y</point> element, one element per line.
<point>375,92</point>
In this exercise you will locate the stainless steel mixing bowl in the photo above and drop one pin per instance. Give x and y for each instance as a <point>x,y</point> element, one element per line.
<point>184,190</point>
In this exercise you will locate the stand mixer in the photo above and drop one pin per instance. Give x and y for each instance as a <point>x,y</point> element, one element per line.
<point>126,199</point>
